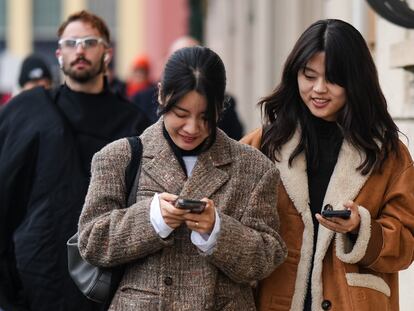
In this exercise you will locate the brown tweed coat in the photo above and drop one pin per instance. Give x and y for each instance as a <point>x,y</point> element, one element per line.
<point>171,273</point>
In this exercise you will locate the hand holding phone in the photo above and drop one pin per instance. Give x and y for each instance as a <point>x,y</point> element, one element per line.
<point>195,206</point>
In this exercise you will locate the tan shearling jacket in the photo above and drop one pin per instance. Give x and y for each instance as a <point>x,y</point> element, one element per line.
<point>346,276</point>
<point>172,274</point>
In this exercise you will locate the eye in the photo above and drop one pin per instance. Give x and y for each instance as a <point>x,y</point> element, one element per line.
<point>91,42</point>
<point>179,114</point>
<point>69,43</point>
<point>309,77</point>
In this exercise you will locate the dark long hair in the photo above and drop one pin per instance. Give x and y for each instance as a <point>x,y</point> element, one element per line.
<point>194,69</point>
<point>364,120</point>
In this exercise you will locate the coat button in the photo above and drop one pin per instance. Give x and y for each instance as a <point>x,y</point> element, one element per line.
<point>328,207</point>
<point>168,281</point>
<point>326,305</point>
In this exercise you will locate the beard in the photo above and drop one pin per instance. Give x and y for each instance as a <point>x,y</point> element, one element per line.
<point>85,75</point>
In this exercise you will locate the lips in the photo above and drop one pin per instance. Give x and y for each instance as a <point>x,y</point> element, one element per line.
<point>320,102</point>
<point>188,139</point>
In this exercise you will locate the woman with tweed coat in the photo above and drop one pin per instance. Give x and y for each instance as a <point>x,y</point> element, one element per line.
<point>176,259</point>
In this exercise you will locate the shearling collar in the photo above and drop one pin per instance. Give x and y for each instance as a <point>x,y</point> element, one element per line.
<point>344,185</point>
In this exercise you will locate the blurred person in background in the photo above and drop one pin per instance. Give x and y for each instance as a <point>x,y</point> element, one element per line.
<point>139,77</point>
<point>34,72</point>
<point>146,99</point>
<point>47,140</point>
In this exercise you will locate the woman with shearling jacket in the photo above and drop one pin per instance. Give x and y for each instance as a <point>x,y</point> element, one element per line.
<point>176,259</point>
<point>328,131</point>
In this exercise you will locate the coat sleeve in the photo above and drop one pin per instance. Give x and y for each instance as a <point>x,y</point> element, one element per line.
<point>386,243</point>
<point>109,233</point>
<point>17,162</point>
<point>250,249</point>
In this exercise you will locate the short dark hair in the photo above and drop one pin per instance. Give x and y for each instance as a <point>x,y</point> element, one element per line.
<point>194,69</point>
<point>364,120</point>
<point>89,18</point>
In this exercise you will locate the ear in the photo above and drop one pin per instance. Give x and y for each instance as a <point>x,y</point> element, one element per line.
<point>59,58</point>
<point>159,93</point>
<point>107,56</point>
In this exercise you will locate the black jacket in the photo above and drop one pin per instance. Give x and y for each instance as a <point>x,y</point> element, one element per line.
<point>44,175</point>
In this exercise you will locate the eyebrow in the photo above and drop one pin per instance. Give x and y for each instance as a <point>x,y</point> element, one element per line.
<point>306,68</point>
<point>179,108</point>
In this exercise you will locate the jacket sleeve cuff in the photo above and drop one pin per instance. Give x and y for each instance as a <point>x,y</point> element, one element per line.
<point>350,252</point>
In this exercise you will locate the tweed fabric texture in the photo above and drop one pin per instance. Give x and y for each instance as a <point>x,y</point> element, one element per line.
<point>171,273</point>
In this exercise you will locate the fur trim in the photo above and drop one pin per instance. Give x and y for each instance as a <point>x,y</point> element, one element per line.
<point>344,185</point>
<point>349,253</point>
<point>370,281</point>
<point>295,181</point>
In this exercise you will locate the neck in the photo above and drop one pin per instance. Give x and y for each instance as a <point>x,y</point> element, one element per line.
<point>93,86</point>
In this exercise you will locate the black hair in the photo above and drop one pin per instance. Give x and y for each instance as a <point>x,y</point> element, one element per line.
<point>194,69</point>
<point>364,119</point>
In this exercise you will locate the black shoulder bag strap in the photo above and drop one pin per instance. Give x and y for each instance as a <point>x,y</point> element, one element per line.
<point>133,169</point>
<point>132,173</point>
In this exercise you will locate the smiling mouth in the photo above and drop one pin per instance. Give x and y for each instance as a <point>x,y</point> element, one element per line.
<point>320,102</point>
<point>188,139</point>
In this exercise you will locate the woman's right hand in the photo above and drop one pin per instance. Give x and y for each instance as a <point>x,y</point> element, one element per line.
<point>173,217</point>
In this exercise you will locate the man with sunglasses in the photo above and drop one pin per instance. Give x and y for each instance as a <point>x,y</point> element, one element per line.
<point>47,140</point>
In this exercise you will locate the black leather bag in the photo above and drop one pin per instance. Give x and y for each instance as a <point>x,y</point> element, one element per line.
<point>100,284</point>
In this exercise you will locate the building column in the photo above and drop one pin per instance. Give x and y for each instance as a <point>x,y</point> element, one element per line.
<point>19,35</point>
<point>71,6</point>
<point>130,33</point>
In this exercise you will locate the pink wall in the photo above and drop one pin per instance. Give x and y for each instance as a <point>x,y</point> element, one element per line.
<point>166,20</point>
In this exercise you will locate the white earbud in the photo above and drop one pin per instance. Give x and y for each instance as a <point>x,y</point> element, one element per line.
<point>106,57</point>
<point>60,60</point>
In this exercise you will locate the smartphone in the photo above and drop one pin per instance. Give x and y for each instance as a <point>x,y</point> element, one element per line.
<point>344,214</point>
<point>195,206</point>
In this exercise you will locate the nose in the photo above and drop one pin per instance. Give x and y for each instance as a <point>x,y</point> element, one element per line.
<point>320,86</point>
<point>79,48</point>
<point>192,126</point>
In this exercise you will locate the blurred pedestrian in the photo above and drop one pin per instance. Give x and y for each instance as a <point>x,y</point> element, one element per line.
<point>139,77</point>
<point>34,72</point>
<point>47,140</point>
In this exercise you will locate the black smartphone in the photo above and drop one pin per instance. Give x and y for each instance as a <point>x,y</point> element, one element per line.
<point>344,214</point>
<point>195,206</point>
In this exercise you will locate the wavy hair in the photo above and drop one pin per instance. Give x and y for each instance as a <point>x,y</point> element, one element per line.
<point>364,120</point>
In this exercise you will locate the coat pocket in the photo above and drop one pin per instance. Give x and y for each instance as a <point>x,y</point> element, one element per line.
<point>369,281</point>
<point>131,298</point>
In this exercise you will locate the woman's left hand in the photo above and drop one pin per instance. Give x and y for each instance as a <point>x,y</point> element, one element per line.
<point>203,223</point>
<point>350,225</point>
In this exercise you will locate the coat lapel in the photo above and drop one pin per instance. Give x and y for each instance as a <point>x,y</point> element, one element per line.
<point>344,185</point>
<point>295,181</point>
<point>208,176</point>
<point>161,165</point>
<point>164,169</point>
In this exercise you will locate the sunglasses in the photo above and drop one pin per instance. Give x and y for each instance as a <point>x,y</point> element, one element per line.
<point>86,43</point>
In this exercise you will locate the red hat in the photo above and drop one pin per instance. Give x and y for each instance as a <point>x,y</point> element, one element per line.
<point>141,62</point>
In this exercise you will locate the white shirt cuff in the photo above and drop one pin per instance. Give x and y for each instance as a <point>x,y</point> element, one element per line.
<point>157,221</point>
<point>206,242</point>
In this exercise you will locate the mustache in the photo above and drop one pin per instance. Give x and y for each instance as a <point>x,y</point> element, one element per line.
<point>79,59</point>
